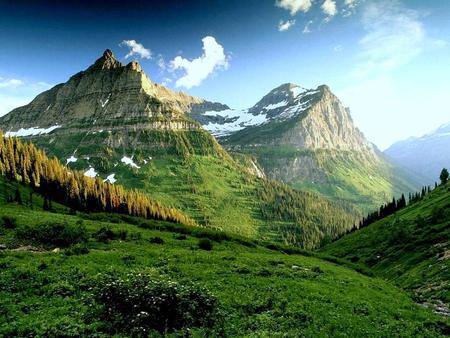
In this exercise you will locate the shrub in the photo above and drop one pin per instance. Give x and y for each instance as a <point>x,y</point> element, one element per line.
<point>53,234</point>
<point>9,222</point>
<point>104,234</point>
<point>205,244</point>
<point>156,240</point>
<point>123,234</point>
<point>135,236</point>
<point>77,249</point>
<point>139,303</point>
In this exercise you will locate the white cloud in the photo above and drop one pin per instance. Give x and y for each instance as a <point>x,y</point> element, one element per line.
<point>349,7</point>
<point>394,36</point>
<point>294,6</point>
<point>329,7</point>
<point>307,28</point>
<point>285,25</point>
<point>10,83</point>
<point>197,70</point>
<point>136,49</point>
<point>161,63</point>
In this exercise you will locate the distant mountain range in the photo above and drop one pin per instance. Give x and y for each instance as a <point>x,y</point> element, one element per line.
<point>426,155</point>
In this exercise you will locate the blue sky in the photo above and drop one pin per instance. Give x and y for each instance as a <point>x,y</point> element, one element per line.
<point>387,60</point>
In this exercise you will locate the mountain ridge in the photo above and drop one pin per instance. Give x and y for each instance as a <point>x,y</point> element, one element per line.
<point>426,154</point>
<point>307,138</point>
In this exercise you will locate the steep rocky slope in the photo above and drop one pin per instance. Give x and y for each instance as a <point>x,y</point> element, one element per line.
<point>307,139</point>
<point>426,155</point>
<point>112,122</point>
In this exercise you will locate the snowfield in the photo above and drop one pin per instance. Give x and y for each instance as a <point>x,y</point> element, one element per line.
<point>31,131</point>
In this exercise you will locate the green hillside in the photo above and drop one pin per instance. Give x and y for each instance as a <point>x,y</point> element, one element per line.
<point>338,175</point>
<point>190,171</point>
<point>410,248</point>
<point>57,270</point>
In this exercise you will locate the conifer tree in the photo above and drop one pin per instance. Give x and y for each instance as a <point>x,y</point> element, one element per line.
<point>444,176</point>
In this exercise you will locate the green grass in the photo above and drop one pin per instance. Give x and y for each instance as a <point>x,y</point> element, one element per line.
<point>409,248</point>
<point>187,170</point>
<point>261,292</point>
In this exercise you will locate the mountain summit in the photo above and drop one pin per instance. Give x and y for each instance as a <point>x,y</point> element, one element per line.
<point>307,138</point>
<point>105,95</point>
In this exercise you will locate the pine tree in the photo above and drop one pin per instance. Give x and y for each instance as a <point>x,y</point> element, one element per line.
<point>444,176</point>
<point>17,196</point>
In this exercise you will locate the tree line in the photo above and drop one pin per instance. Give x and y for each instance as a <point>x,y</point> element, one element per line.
<point>392,207</point>
<point>24,163</point>
<point>304,219</point>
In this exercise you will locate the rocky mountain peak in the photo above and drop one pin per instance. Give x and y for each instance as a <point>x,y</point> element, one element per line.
<point>108,54</point>
<point>109,95</point>
<point>106,61</point>
<point>134,65</point>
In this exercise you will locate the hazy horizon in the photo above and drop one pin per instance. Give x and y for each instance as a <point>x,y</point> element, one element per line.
<point>386,60</point>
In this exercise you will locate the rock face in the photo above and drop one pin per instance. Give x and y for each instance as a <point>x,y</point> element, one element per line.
<point>426,155</point>
<point>106,95</point>
<point>307,138</point>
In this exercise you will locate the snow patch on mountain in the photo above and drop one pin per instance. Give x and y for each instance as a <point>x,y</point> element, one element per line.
<point>31,131</point>
<point>129,161</point>
<point>71,159</point>
<point>234,120</point>
<point>296,91</point>
<point>275,105</point>
<point>90,172</point>
<point>110,179</point>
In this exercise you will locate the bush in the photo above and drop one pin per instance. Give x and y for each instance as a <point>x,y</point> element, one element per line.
<point>156,240</point>
<point>53,234</point>
<point>9,222</point>
<point>123,234</point>
<point>104,234</point>
<point>77,249</point>
<point>205,244</point>
<point>139,303</point>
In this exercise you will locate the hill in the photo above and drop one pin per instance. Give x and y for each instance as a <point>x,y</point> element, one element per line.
<point>66,274</point>
<point>307,139</point>
<point>410,248</point>
<point>426,155</point>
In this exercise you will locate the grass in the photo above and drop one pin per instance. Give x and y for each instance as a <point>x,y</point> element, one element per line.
<point>260,290</point>
<point>409,248</point>
<point>186,170</point>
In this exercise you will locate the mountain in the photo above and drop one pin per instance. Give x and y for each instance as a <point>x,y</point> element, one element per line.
<point>410,248</point>
<point>110,121</point>
<point>307,138</point>
<point>426,155</point>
